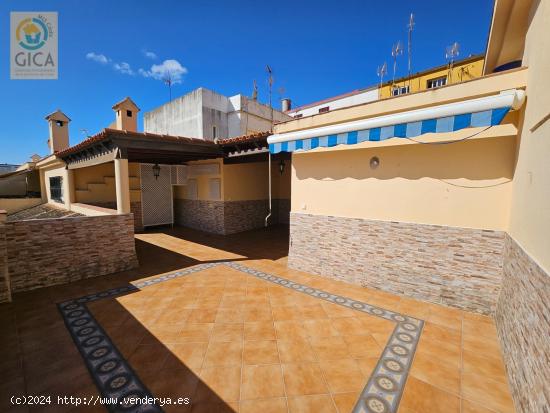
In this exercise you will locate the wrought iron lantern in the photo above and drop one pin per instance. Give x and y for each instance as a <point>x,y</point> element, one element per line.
<point>281,166</point>
<point>156,170</point>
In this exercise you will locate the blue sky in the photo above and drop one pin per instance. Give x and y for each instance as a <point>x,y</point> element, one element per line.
<point>112,49</point>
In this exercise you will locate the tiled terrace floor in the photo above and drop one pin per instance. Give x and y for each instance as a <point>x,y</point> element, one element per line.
<point>234,342</point>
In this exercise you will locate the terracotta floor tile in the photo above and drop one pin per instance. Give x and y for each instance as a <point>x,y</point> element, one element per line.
<point>336,311</point>
<point>290,330</point>
<point>209,407</point>
<point>321,403</point>
<point>343,375</point>
<point>446,352</point>
<point>295,351</point>
<point>439,333</point>
<point>202,315</point>
<point>257,313</point>
<point>471,407</point>
<point>482,328</point>
<point>189,354</point>
<point>286,313</point>
<point>261,330</point>
<point>229,315</point>
<point>314,311</point>
<point>148,355</point>
<point>345,402</point>
<point>260,352</point>
<point>277,405</point>
<point>349,325</point>
<point>329,348</point>
<point>489,393</point>
<point>367,365</point>
<point>227,332</point>
<point>303,378</point>
<point>219,383</point>
<point>196,332</point>
<point>262,381</point>
<point>224,353</point>
<point>492,367</point>
<point>362,346</point>
<point>436,372</point>
<point>319,328</point>
<point>423,397</point>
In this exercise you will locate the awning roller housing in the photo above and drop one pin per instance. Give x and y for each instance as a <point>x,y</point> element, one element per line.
<point>450,117</point>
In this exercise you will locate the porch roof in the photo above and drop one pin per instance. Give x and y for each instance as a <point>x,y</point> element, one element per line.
<point>138,147</point>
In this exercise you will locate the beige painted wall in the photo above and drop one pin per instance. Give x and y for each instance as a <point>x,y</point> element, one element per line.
<point>530,212</point>
<point>96,184</point>
<point>414,183</point>
<point>203,182</point>
<point>58,169</point>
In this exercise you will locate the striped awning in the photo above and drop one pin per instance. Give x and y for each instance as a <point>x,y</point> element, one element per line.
<point>453,117</point>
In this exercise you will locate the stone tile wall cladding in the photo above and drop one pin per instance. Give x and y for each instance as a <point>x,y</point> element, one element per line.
<point>228,217</point>
<point>522,318</point>
<point>5,294</point>
<point>135,208</point>
<point>458,267</point>
<point>56,251</point>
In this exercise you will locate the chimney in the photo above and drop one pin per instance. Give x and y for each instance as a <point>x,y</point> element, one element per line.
<point>286,104</point>
<point>58,123</point>
<point>126,112</point>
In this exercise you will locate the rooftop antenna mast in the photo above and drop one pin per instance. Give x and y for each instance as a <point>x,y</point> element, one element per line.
<point>451,53</point>
<point>255,91</point>
<point>381,71</point>
<point>396,50</point>
<point>410,26</point>
<point>270,83</point>
<point>168,82</point>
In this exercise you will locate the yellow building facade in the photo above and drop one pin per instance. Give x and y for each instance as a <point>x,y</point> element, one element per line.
<point>461,71</point>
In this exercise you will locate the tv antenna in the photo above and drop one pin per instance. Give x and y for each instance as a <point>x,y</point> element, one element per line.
<point>85,132</point>
<point>168,82</point>
<point>410,26</point>
<point>396,50</point>
<point>270,83</point>
<point>381,71</point>
<point>451,53</point>
<point>254,91</point>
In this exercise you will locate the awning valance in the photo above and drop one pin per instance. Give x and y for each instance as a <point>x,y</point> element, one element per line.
<point>480,112</point>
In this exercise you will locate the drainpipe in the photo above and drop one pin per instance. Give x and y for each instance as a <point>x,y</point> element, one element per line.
<point>269,174</point>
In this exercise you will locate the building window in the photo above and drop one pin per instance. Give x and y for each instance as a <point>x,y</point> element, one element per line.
<point>324,109</point>
<point>56,188</point>
<point>399,90</point>
<point>129,113</point>
<point>437,82</point>
<point>59,123</point>
<point>214,132</point>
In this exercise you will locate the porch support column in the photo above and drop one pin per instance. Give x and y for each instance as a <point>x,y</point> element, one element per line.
<point>122,183</point>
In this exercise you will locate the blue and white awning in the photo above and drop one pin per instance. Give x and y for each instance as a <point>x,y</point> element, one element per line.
<point>482,112</point>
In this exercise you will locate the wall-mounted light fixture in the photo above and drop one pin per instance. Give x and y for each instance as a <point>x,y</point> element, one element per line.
<point>282,166</point>
<point>156,170</point>
<point>374,162</point>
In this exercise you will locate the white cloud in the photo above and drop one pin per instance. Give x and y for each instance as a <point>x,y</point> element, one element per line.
<point>123,68</point>
<point>149,54</point>
<point>99,58</point>
<point>169,69</point>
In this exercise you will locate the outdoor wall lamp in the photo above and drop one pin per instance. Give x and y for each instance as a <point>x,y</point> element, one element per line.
<point>374,162</point>
<point>156,170</point>
<point>281,166</point>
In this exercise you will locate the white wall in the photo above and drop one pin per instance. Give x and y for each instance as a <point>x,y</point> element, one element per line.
<point>343,102</point>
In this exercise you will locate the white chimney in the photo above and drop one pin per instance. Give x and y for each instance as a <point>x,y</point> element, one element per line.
<point>286,104</point>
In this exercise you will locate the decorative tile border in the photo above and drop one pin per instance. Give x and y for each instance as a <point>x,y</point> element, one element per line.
<point>115,378</point>
<point>387,382</point>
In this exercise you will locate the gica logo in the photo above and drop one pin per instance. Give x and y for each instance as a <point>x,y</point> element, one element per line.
<point>34,45</point>
<point>32,34</point>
